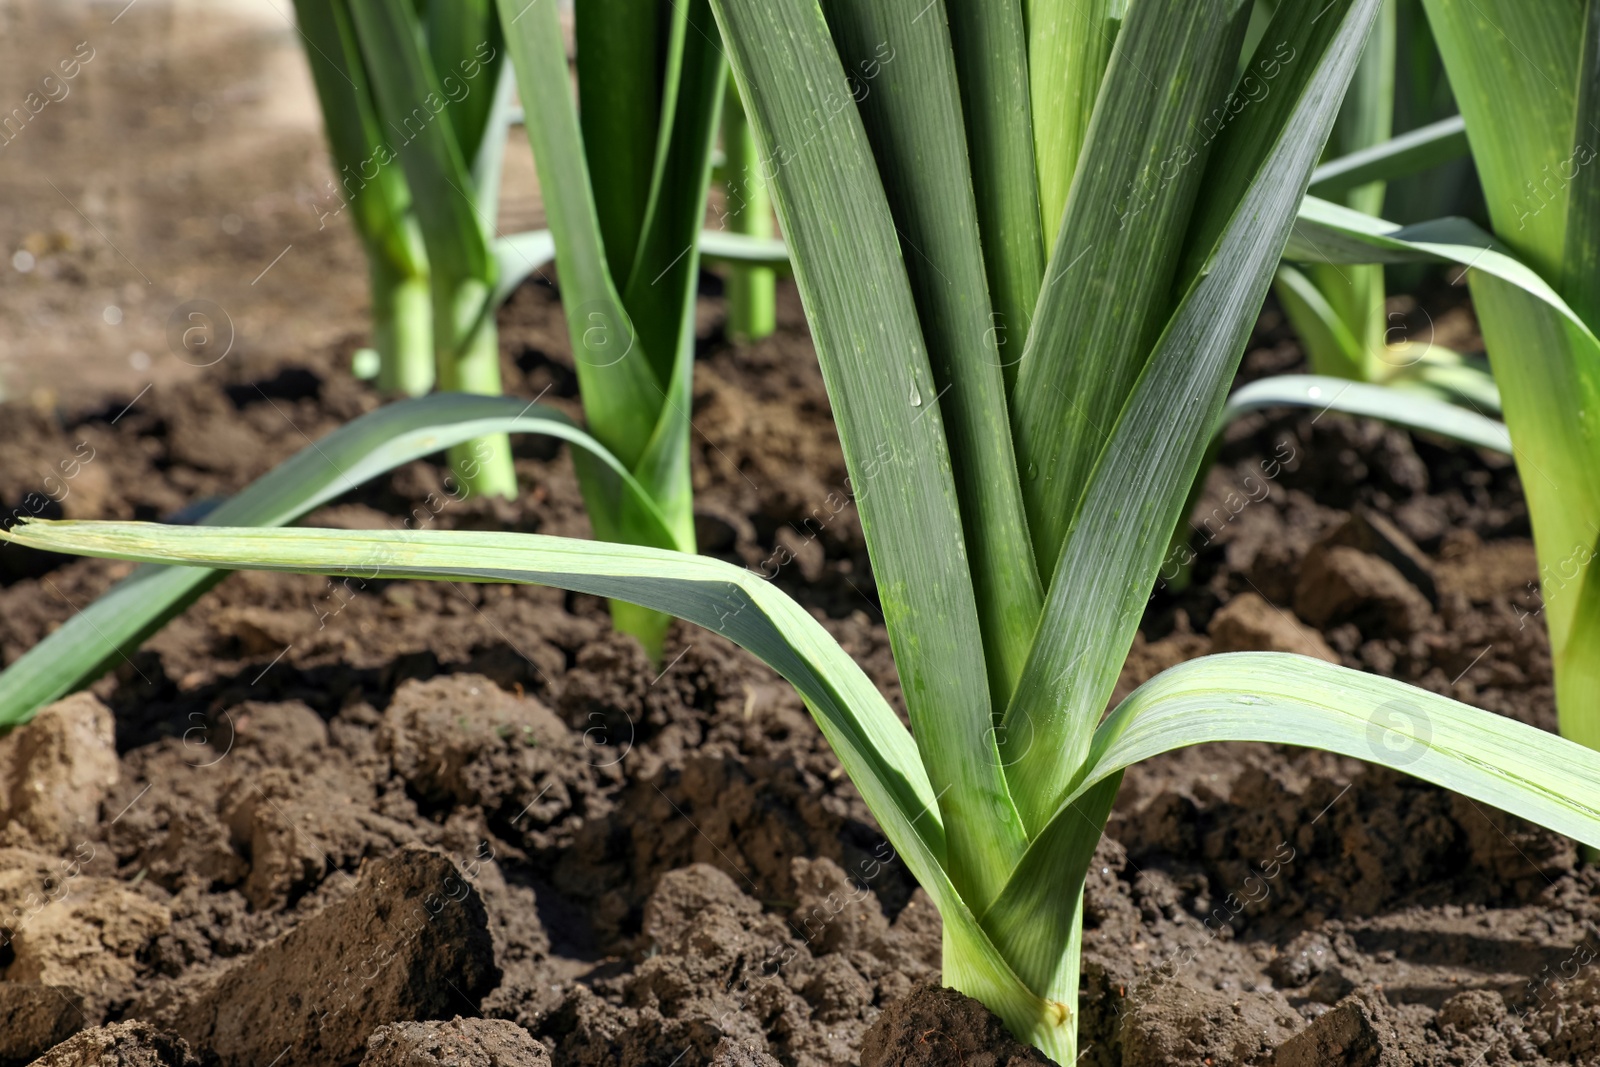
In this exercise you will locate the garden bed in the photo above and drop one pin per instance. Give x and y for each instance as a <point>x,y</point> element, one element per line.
<point>668,866</point>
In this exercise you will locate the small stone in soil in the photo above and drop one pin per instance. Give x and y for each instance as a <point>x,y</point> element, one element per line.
<point>457,1043</point>
<point>131,1044</point>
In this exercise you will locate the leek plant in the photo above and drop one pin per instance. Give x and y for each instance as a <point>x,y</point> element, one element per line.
<point>415,110</point>
<point>371,185</point>
<point>434,72</point>
<point>1339,310</point>
<point>641,410</point>
<point>1015,528</point>
<point>1528,82</point>
<point>624,181</point>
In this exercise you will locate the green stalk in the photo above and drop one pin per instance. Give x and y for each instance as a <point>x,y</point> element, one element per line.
<point>402,327</point>
<point>372,184</point>
<point>472,341</point>
<point>752,291</point>
<point>418,123</point>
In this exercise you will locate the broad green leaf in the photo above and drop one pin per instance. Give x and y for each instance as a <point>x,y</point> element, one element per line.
<point>912,115</point>
<point>991,48</point>
<point>621,394</point>
<point>1294,700</point>
<point>1069,46</point>
<point>111,628</point>
<point>622,48</point>
<point>1106,292</point>
<point>1113,550</point>
<point>1415,412</point>
<point>1410,152</point>
<point>869,343</point>
<point>1514,69</point>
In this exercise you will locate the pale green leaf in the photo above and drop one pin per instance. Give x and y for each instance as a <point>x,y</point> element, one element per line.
<point>1413,411</point>
<point>105,632</point>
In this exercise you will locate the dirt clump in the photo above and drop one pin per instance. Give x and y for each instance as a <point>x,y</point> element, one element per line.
<point>462,740</point>
<point>129,1044</point>
<point>1247,623</point>
<point>68,928</point>
<point>410,941</point>
<point>55,773</point>
<point>1169,1021</point>
<point>38,1017</point>
<point>938,1027</point>
<point>719,969</point>
<point>456,1043</point>
<point>1342,584</point>
<point>1358,1032</point>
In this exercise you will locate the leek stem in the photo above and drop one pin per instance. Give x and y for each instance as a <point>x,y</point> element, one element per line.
<point>402,327</point>
<point>645,625</point>
<point>471,364</point>
<point>752,291</point>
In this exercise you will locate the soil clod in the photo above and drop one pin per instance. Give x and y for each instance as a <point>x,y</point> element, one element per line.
<point>939,1027</point>
<point>410,941</point>
<point>456,1043</point>
<point>130,1044</point>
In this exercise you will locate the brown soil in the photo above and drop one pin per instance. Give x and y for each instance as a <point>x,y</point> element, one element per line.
<point>314,822</point>
<point>332,808</point>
